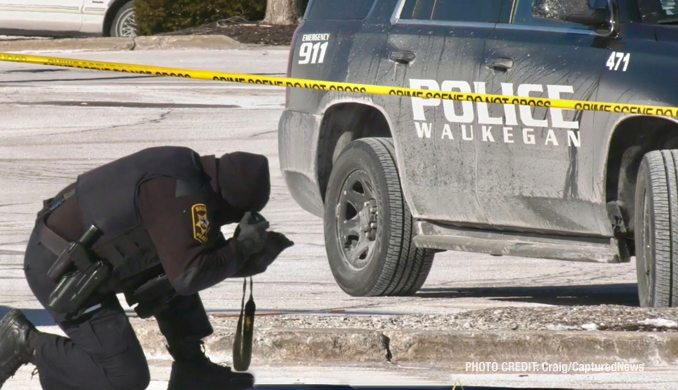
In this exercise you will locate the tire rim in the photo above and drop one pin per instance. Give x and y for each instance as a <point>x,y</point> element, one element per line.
<point>127,24</point>
<point>646,280</point>
<point>357,220</point>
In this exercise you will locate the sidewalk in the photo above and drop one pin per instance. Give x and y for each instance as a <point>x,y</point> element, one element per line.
<point>206,42</point>
<point>384,375</point>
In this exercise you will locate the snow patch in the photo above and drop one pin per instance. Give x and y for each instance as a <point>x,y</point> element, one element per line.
<point>659,323</point>
<point>590,326</point>
<point>562,327</point>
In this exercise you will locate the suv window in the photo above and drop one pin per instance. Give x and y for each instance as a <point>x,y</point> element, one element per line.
<point>483,11</point>
<point>669,7</point>
<point>339,9</point>
<point>523,15</point>
<point>659,11</point>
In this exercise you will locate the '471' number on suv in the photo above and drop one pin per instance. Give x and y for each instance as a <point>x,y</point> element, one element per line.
<point>615,60</point>
<point>312,53</point>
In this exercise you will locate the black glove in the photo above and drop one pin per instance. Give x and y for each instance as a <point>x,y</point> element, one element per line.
<point>259,262</point>
<point>251,233</point>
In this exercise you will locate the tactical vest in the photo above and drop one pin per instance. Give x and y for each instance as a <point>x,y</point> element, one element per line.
<point>108,196</point>
<point>126,258</point>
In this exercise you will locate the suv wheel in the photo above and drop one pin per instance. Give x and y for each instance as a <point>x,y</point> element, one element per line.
<point>124,24</point>
<point>656,230</point>
<point>368,225</point>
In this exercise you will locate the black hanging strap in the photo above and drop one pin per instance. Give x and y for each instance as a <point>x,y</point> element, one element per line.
<point>244,335</point>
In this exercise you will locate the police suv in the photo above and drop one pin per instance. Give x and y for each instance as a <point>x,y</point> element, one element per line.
<point>397,179</point>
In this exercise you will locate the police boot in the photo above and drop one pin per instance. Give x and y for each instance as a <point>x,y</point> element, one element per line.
<point>15,331</point>
<point>192,370</point>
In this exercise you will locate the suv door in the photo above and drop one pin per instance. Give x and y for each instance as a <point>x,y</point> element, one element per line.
<point>41,15</point>
<point>439,45</point>
<point>537,172</point>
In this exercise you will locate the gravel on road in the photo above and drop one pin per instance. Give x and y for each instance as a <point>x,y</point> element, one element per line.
<point>573,318</point>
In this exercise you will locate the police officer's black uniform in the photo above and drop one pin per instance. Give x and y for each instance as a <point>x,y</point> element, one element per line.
<point>158,212</point>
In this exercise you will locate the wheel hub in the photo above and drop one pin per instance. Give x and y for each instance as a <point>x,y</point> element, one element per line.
<point>368,219</point>
<point>357,217</point>
<point>128,25</point>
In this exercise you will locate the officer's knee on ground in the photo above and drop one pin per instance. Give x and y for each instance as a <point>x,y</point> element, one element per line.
<point>135,377</point>
<point>127,371</point>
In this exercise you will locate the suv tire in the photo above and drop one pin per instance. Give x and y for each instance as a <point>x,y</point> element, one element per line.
<point>368,225</point>
<point>124,23</point>
<point>656,230</point>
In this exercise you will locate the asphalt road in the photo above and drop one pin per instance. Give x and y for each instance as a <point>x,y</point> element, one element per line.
<point>402,377</point>
<point>58,122</point>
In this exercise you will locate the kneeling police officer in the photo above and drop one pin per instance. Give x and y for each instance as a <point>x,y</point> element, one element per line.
<point>146,225</point>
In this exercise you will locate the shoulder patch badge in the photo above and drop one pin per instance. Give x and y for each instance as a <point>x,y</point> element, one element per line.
<point>201,225</point>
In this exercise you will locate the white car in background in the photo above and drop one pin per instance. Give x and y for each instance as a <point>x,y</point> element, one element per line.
<point>113,18</point>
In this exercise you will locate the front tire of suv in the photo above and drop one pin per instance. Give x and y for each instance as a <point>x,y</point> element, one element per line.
<point>368,225</point>
<point>656,230</point>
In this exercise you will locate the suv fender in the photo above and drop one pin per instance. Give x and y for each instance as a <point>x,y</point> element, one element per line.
<point>337,133</point>
<point>328,103</point>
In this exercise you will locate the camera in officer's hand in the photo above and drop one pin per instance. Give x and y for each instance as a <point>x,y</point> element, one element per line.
<point>251,233</point>
<point>258,263</point>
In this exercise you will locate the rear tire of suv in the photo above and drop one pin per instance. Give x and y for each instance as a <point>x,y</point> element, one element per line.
<point>368,225</point>
<point>656,230</point>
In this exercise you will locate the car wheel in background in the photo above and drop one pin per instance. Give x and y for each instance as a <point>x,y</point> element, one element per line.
<point>656,230</point>
<point>124,24</point>
<point>368,225</point>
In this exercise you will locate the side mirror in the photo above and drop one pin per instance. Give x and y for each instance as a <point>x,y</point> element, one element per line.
<point>594,13</point>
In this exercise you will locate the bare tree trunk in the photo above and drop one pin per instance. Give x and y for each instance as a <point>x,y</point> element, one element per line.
<point>283,12</point>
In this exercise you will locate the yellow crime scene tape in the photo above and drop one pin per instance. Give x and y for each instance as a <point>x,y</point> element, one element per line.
<point>342,87</point>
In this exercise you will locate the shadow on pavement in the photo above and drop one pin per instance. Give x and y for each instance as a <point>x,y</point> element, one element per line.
<point>49,70</point>
<point>342,387</point>
<point>77,79</point>
<point>605,294</point>
<point>39,317</point>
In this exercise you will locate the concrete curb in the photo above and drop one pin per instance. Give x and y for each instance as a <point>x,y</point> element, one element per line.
<point>455,349</point>
<point>203,42</point>
<point>446,349</point>
<point>82,44</point>
<point>166,42</point>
